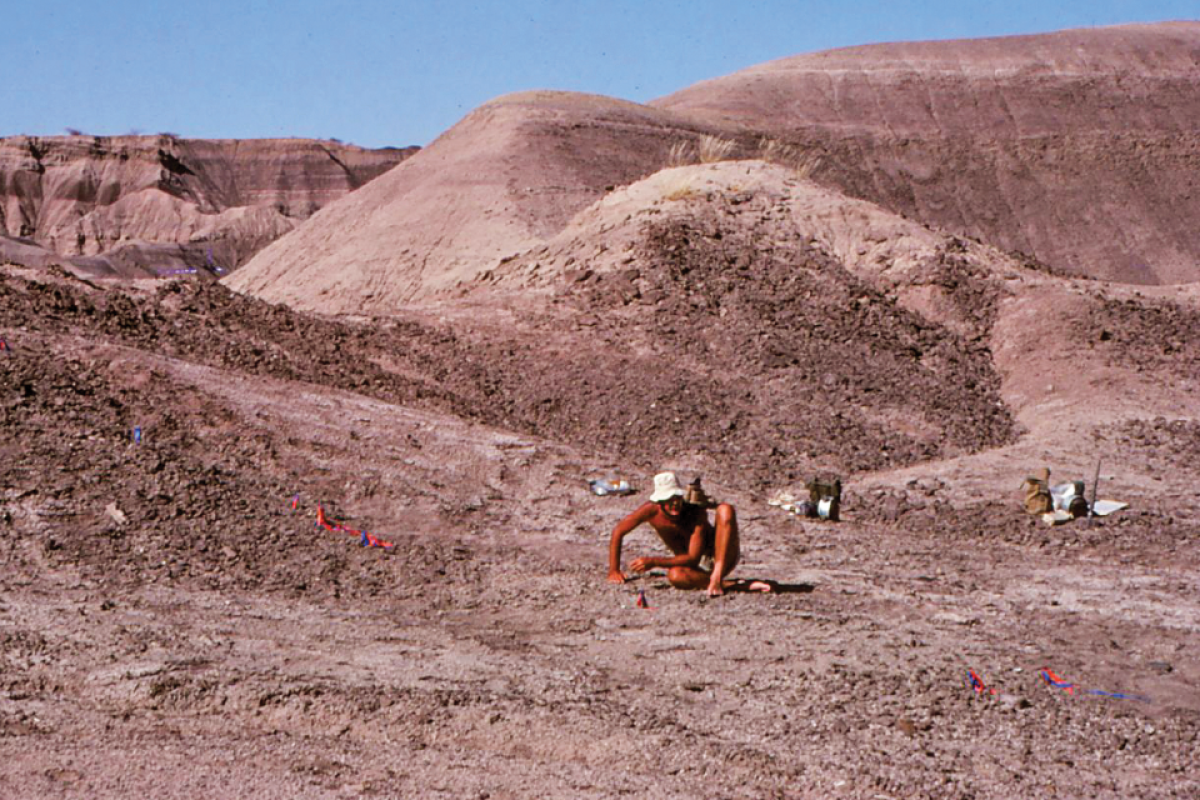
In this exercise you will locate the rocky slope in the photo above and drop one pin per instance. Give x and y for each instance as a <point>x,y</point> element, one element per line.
<point>145,205</point>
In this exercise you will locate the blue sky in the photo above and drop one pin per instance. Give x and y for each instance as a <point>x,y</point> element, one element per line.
<point>397,73</point>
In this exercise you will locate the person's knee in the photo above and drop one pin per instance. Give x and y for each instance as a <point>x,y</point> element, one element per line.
<point>681,578</point>
<point>725,513</point>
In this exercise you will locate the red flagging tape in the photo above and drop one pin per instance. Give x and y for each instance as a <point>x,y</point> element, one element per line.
<point>365,538</point>
<point>1061,683</point>
<point>976,683</point>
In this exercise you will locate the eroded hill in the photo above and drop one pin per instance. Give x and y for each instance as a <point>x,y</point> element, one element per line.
<point>1077,148</point>
<point>1072,150</point>
<point>150,205</point>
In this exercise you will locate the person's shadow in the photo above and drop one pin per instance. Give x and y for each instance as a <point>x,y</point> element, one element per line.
<point>754,586</point>
<point>746,585</point>
<point>793,588</point>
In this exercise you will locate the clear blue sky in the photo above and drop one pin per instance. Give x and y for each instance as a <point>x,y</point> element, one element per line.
<point>380,73</point>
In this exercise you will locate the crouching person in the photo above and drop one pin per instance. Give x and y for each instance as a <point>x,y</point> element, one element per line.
<point>703,553</point>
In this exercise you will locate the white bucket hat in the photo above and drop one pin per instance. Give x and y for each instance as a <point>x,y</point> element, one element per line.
<point>666,486</point>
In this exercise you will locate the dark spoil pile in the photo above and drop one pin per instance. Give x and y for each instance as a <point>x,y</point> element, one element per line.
<point>773,359</point>
<point>113,466</point>
<point>764,361</point>
<point>1145,334</point>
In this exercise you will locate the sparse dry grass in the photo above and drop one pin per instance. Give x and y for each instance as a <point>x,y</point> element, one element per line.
<point>679,187</point>
<point>707,149</point>
<point>680,154</point>
<point>802,162</point>
<point>680,193</point>
<point>712,149</point>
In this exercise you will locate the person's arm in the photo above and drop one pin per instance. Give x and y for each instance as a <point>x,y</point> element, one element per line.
<point>691,558</point>
<point>644,513</point>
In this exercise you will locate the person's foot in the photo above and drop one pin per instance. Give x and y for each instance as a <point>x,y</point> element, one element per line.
<point>716,590</point>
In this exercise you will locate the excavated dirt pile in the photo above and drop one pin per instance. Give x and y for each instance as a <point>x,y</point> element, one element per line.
<point>829,362</point>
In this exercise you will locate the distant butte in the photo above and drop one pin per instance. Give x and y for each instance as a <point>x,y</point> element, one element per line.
<point>137,206</point>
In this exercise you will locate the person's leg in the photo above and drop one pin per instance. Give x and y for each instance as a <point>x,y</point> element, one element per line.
<point>688,577</point>
<point>726,548</point>
<point>726,554</point>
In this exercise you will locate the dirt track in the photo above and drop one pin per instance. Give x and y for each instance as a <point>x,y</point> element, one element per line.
<point>217,643</point>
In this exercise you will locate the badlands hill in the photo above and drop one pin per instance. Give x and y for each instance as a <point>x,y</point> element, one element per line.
<point>1075,150</point>
<point>147,205</point>
<point>507,177</point>
<point>1078,148</point>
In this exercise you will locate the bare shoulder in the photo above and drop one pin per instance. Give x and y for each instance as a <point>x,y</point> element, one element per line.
<point>645,510</point>
<point>643,513</point>
<point>651,513</point>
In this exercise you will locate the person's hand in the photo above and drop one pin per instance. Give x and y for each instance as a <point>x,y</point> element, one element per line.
<point>640,564</point>
<point>616,576</point>
<point>716,589</point>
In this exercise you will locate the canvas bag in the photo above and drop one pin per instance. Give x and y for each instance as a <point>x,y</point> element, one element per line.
<point>1037,492</point>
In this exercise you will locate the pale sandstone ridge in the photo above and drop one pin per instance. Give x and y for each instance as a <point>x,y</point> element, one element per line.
<point>1079,148</point>
<point>138,205</point>
<point>508,176</point>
